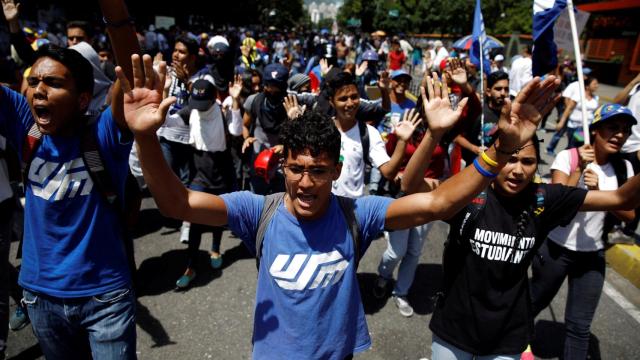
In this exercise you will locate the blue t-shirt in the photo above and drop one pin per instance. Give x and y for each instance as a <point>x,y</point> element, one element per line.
<point>72,238</point>
<point>307,299</point>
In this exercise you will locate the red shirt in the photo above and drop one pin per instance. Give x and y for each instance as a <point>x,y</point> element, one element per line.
<point>396,59</point>
<point>438,158</point>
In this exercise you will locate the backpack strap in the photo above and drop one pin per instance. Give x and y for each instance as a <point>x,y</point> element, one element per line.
<point>364,140</point>
<point>96,168</point>
<point>31,142</point>
<point>620,169</point>
<point>348,210</point>
<point>271,204</point>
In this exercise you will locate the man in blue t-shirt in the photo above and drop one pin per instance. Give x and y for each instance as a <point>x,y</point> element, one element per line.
<point>75,274</point>
<point>307,298</point>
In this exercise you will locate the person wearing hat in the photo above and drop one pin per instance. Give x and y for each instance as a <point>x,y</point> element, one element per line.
<point>209,131</point>
<point>299,83</point>
<point>264,114</point>
<point>576,251</point>
<point>498,64</point>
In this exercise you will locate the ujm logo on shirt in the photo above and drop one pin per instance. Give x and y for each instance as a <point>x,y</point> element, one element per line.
<point>316,270</point>
<point>59,180</point>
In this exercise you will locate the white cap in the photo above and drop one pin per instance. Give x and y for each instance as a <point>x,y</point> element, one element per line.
<point>498,57</point>
<point>216,39</point>
<point>437,43</point>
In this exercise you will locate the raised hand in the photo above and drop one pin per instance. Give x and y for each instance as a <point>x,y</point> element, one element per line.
<point>362,68</point>
<point>144,108</point>
<point>293,109</point>
<point>457,71</point>
<point>324,67</point>
<point>405,128</point>
<point>437,106</point>
<point>10,9</point>
<point>235,87</point>
<point>519,119</point>
<point>181,71</point>
<point>385,81</point>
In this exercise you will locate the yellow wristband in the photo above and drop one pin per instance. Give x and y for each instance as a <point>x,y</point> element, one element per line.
<point>489,161</point>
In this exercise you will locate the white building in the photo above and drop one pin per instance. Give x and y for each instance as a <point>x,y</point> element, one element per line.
<point>322,9</point>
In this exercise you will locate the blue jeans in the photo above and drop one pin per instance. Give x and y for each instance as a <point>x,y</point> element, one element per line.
<point>585,270</point>
<point>179,156</point>
<point>404,247</point>
<point>98,327</point>
<point>442,350</point>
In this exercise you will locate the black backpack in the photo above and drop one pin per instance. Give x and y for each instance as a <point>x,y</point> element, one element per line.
<point>620,169</point>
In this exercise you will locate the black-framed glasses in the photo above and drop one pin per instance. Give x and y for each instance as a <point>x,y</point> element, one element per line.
<point>317,174</point>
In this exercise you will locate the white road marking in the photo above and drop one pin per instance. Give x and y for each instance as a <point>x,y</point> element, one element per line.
<point>628,307</point>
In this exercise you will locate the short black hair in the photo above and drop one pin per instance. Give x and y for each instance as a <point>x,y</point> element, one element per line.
<point>79,67</point>
<point>339,81</point>
<point>496,76</point>
<point>189,43</point>
<point>82,25</point>
<point>313,131</point>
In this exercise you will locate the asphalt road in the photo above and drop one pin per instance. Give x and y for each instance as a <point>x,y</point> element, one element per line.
<point>213,319</point>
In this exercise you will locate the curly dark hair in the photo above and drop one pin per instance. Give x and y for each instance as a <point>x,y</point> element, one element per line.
<point>313,131</point>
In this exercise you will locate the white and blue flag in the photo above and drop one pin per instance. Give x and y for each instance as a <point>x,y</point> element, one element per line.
<point>479,36</point>
<point>545,51</point>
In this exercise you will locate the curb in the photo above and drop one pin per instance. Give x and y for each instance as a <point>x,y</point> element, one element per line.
<point>625,260</point>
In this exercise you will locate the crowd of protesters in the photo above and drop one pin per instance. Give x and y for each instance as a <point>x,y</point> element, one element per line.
<point>322,141</point>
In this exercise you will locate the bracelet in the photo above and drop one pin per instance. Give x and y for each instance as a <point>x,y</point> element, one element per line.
<point>504,152</point>
<point>482,171</point>
<point>488,160</point>
<point>117,24</point>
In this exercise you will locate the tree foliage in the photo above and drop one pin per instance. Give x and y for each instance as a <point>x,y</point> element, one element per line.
<point>437,16</point>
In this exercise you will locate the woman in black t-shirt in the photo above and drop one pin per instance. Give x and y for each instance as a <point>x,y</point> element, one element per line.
<point>485,309</point>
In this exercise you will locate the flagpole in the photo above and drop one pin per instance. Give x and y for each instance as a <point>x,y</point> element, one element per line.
<point>576,50</point>
<point>481,40</point>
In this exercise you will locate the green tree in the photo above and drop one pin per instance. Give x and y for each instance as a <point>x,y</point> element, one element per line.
<point>281,13</point>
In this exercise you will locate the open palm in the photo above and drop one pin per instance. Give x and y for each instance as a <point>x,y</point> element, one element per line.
<point>437,106</point>
<point>144,108</point>
<point>519,119</point>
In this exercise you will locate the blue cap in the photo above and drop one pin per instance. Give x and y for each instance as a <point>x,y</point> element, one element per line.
<point>612,111</point>
<point>276,74</point>
<point>397,73</point>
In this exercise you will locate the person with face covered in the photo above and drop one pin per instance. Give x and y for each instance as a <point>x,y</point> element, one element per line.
<point>495,94</point>
<point>576,251</point>
<point>221,68</point>
<point>264,114</point>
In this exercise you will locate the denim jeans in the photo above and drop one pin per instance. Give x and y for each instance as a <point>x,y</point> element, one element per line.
<point>179,156</point>
<point>6,223</point>
<point>100,327</point>
<point>585,270</point>
<point>442,350</point>
<point>404,247</point>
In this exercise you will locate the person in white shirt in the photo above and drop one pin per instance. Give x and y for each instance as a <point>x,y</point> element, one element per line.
<point>441,54</point>
<point>345,99</point>
<point>498,64</point>
<point>576,251</point>
<point>521,72</point>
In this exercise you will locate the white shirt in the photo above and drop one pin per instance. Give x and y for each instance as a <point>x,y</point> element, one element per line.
<point>633,142</point>
<point>5,187</point>
<point>206,132</point>
<point>572,92</point>
<point>519,75</point>
<point>351,180</point>
<point>441,54</point>
<point>585,230</point>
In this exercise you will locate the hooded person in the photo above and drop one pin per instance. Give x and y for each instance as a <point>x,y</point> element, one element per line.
<point>222,67</point>
<point>101,83</point>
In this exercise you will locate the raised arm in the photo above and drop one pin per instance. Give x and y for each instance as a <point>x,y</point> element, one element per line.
<point>145,112</point>
<point>404,130</point>
<point>517,124</point>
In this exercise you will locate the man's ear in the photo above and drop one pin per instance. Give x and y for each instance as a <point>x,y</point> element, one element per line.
<point>336,175</point>
<point>84,99</point>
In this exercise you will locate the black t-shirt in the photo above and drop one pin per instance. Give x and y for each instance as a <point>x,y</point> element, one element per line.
<point>486,309</point>
<point>491,118</point>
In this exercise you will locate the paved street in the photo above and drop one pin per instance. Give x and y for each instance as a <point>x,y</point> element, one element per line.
<point>213,320</point>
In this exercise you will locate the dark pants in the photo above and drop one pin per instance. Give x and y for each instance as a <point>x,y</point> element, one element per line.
<point>630,227</point>
<point>6,223</point>
<point>195,238</point>
<point>179,157</point>
<point>586,279</point>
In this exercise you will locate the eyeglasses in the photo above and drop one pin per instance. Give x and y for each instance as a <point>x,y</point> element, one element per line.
<point>316,174</point>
